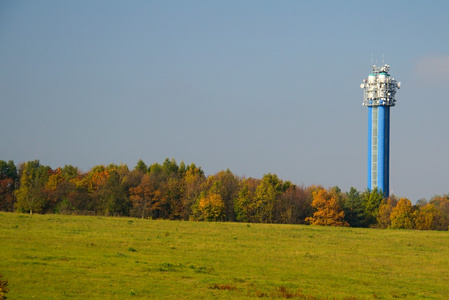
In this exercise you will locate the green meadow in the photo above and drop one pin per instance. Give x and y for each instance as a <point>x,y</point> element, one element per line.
<point>86,257</point>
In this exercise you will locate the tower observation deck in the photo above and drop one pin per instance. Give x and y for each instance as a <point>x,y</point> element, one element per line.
<point>379,96</point>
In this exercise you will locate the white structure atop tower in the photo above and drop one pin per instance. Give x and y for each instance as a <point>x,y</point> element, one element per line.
<point>380,88</point>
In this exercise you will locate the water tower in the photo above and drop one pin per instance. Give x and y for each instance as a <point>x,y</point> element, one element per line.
<point>379,96</point>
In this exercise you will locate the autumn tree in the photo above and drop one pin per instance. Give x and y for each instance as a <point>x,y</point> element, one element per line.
<point>8,181</point>
<point>172,196</point>
<point>442,204</point>
<point>58,187</point>
<point>108,190</point>
<point>145,198</point>
<point>54,190</point>
<point>428,217</point>
<point>168,181</point>
<point>385,209</point>
<point>210,207</point>
<point>172,191</point>
<point>78,192</point>
<point>95,180</point>
<point>192,182</point>
<point>226,184</point>
<point>328,212</point>
<point>402,215</point>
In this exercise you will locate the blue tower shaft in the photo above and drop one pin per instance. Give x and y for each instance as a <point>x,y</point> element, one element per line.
<point>379,148</point>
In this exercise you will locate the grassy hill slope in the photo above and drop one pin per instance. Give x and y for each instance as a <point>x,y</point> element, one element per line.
<point>79,257</point>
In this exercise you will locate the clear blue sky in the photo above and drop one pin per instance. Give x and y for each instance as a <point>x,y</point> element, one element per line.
<point>254,86</point>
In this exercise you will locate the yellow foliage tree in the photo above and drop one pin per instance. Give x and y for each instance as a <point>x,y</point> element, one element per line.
<point>328,212</point>
<point>427,218</point>
<point>402,215</point>
<point>211,207</point>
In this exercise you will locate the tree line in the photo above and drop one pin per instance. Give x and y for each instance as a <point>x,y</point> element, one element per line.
<point>183,192</point>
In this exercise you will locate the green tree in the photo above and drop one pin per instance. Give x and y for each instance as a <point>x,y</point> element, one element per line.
<point>8,170</point>
<point>372,199</point>
<point>155,169</point>
<point>117,190</point>
<point>354,208</point>
<point>70,172</point>
<point>141,166</point>
<point>265,198</point>
<point>244,205</point>
<point>30,195</point>
<point>182,168</point>
<point>170,167</point>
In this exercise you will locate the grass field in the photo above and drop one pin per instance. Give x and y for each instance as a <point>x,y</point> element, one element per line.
<point>79,257</point>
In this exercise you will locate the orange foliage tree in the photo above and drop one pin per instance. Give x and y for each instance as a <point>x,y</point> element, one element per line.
<point>328,211</point>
